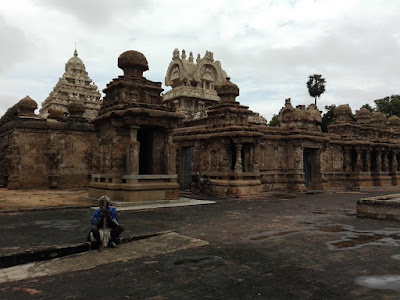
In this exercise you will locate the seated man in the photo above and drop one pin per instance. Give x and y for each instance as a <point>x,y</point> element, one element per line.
<point>108,234</point>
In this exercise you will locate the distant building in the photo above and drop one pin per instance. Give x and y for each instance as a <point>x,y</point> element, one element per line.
<point>74,85</point>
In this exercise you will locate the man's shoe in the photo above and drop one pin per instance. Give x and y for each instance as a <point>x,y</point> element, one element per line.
<point>112,245</point>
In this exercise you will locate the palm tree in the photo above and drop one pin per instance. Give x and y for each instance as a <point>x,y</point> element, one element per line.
<point>316,86</point>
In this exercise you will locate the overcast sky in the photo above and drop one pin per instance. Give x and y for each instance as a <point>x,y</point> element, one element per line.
<point>268,48</point>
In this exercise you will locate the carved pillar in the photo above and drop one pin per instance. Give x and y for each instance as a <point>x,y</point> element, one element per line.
<point>378,161</point>
<point>395,163</point>
<point>359,162</point>
<point>346,159</point>
<point>256,157</point>
<point>170,154</point>
<point>368,160</point>
<point>238,164</point>
<point>385,161</point>
<point>133,150</point>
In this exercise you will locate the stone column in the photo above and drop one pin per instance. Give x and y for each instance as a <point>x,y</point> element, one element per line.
<point>385,161</point>
<point>238,164</point>
<point>359,162</point>
<point>170,154</point>
<point>133,150</point>
<point>256,157</point>
<point>346,159</point>
<point>368,161</point>
<point>395,163</point>
<point>378,161</point>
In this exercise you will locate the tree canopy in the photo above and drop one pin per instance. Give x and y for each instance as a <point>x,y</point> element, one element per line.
<point>328,117</point>
<point>390,106</point>
<point>274,121</point>
<point>316,86</point>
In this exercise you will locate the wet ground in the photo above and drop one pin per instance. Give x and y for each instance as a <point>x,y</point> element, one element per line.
<point>278,246</point>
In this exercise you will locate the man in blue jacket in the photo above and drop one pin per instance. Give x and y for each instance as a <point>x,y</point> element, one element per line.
<point>105,234</point>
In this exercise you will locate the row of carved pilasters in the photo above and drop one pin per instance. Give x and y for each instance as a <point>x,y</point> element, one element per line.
<point>359,159</point>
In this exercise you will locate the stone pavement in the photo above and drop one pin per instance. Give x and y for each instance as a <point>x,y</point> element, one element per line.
<point>165,243</point>
<point>273,246</point>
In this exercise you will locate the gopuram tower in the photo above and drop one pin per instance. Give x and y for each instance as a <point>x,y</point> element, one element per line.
<point>193,83</point>
<point>74,85</point>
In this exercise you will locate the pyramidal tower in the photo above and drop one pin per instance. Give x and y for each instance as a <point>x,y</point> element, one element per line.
<point>74,85</point>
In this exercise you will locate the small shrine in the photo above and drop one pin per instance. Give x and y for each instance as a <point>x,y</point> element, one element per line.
<point>136,156</point>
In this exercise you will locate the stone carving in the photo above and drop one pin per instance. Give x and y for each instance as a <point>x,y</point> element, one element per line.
<point>193,83</point>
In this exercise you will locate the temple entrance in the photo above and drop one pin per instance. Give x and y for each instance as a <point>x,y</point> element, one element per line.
<point>312,171</point>
<point>145,138</point>
<point>186,168</point>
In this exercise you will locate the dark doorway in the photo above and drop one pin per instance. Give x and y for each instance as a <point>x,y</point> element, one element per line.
<point>186,168</point>
<point>145,138</point>
<point>312,172</point>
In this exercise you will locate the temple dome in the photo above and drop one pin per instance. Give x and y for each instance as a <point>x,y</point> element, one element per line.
<point>133,63</point>
<point>27,106</point>
<point>393,120</point>
<point>363,116</point>
<point>378,118</point>
<point>228,91</point>
<point>75,62</point>
<point>76,109</point>
<point>343,113</point>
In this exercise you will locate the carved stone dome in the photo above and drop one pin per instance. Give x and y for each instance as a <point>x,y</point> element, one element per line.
<point>363,116</point>
<point>378,118</point>
<point>27,106</point>
<point>56,114</point>
<point>76,109</point>
<point>343,113</point>
<point>75,62</point>
<point>228,91</point>
<point>133,63</point>
<point>393,120</point>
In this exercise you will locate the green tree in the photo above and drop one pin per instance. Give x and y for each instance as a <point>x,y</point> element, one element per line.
<point>328,117</point>
<point>274,121</point>
<point>390,106</point>
<point>316,86</point>
<point>369,107</point>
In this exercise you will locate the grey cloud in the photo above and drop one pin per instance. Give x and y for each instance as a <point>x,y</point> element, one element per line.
<point>97,12</point>
<point>15,45</point>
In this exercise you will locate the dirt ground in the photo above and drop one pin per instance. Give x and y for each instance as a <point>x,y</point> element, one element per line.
<point>33,199</point>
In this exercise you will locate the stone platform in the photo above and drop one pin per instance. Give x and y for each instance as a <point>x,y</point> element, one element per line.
<point>380,207</point>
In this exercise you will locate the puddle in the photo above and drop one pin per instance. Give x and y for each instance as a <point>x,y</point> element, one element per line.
<point>263,236</point>
<point>383,282</point>
<point>333,228</point>
<point>356,239</point>
<point>396,256</point>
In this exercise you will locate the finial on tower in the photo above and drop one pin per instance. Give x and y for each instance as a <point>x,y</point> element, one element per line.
<point>75,52</point>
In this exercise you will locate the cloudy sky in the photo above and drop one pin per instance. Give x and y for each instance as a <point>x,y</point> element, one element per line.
<point>267,47</point>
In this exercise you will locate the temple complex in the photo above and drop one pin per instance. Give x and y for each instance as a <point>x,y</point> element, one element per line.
<point>74,86</point>
<point>142,145</point>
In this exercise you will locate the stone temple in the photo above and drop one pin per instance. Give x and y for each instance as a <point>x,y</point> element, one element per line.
<point>142,145</point>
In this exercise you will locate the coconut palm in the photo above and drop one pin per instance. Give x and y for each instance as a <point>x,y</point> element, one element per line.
<point>316,86</point>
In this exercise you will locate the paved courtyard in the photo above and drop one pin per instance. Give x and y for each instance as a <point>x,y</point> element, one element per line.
<point>276,246</point>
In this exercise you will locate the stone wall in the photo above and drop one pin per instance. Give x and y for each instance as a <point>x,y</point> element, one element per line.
<point>40,153</point>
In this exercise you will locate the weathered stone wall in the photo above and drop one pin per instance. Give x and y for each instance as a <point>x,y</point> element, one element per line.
<point>46,153</point>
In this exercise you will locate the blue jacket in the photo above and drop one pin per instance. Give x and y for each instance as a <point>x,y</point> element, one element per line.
<point>98,216</point>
